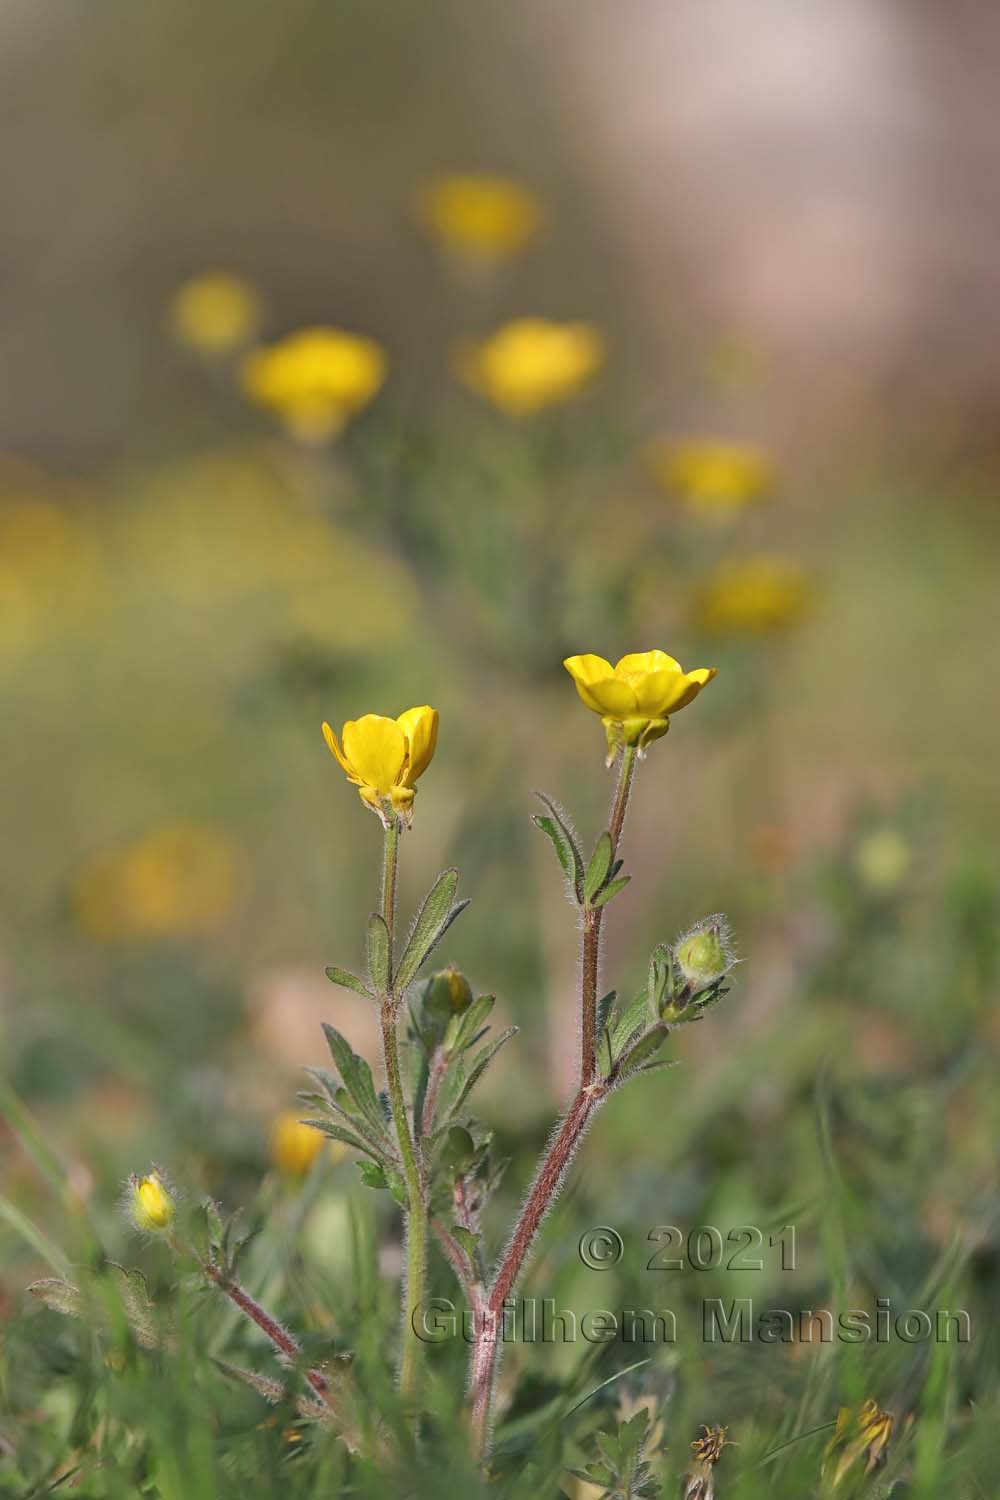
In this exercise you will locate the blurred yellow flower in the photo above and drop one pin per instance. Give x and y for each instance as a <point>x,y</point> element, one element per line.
<point>180,880</point>
<point>636,696</point>
<point>883,859</point>
<point>483,217</point>
<point>215,313</point>
<point>531,364</point>
<point>150,1204</point>
<point>315,380</point>
<point>713,478</point>
<point>384,757</point>
<point>294,1146</point>
<point>50,569</point>
<point>862,1432</point>
<point>754,594</point>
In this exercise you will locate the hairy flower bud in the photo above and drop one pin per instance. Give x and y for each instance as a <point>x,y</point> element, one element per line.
<point>151,1205</point>
<point>704,955</point>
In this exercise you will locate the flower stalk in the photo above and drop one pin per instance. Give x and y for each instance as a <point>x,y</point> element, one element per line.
<point>415,1212</point>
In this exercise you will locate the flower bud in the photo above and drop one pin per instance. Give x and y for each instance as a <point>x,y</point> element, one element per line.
<point>448,994</point>
<point>150,1203</point>
<point>704,955</point>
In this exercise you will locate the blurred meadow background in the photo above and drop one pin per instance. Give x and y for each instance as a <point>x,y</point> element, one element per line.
<point>625,327</point>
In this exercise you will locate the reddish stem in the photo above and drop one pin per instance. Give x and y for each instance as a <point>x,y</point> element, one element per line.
<point>282,1340</point>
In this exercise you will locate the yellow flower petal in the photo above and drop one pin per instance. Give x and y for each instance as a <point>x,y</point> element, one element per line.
<point>376,750</point>
<point>656,692</point>
<point>694,682</point>
<point>611,697</point>
<point>639,663</point>
<point>333,745</point>
<point>420,726</point>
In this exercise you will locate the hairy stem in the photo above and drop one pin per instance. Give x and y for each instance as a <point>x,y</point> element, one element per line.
<point>592,919</point>
<point>590,1094</point>
<point>415,1212</point>
<point>282,1340</point>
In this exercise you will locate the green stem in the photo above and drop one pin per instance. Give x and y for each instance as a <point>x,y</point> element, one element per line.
<point>416,1212</point>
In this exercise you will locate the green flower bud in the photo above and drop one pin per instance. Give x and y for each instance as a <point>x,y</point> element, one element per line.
<point>704,955</point>
<point>448,994</point>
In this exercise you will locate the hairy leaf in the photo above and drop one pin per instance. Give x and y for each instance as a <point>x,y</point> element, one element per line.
<point>348,981</point>
<point>605,894</point>
<point>566,845</point>
<point>434,918</point>
<point>597,870</point>
<point>379,953</point>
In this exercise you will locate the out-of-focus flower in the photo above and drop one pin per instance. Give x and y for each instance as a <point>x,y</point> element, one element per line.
<point>215,313</point>
<point>50,568</point>
<point>860,1433</point>
<point>151,1205</point>
<point>636,696</point>
<point>180,880</point>
<point>384,757</point>
<point>315,380</point>
<point>707,1450</point>
<point>482,217</point>
<point>713,478</point>
<point>295,1146</point>
<point>754,595</point>
<point>882,860</point>
<point>531,364</point>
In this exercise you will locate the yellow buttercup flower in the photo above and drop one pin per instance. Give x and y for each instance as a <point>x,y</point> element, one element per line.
<point>180,880</point>
<point>315,380</point>
<point>295,1146</point>
<point>484,218</point>
<point>150,1203</point>
<point>754,594</point>
<point>713,478</point>
<point>531,364</point>
<point>384,757</point>
<point>636,697</point>
<point>215,313</point>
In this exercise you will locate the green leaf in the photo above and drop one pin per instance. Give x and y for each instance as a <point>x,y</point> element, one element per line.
<point>611,889</point>
<point>597,870</point>
<point>604,1008</point>
<point>433,920</point>
<point>396,1183</point>
<point>468,1241</point>
<point>566,846</point>
<point>628,1024</point>
<point>137,1303</point>
<point>458,1149</point>
<point>357,1078</point>
<point>462,1029</point>
<point>644,1048</point>
<point>348,981</point>
<point>372,1174</point>
<point>478,1067</point>
<point>347,1137</point>
<point>379,954</point>
<point>62,1296</point>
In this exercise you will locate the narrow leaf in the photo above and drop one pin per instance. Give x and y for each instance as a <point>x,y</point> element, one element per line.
<point>478,1067</point>
<point>604,1010</point>
<point>462,1029</point>
<point>347,1137</point>
<point>356,1076</point>
<point>433,919</point>
<point>611,889</point>
<point>468,1241</point>
<point>575,857</point>
<point>560,844</point>
<point>348,981</point>
<point>643,1049</point>
<point>379,950</point>
<point>628,1024</point>
<point>597,870</point>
